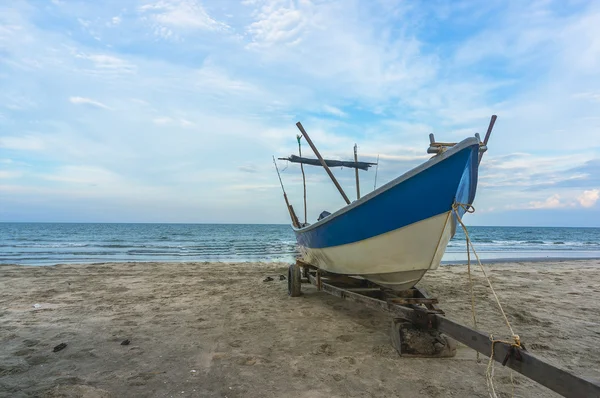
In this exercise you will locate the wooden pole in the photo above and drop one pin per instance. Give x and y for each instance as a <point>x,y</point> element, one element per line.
<point>287,202</point>
<point>488,133</point>
<point>316,151</point>
<point>376,170</point>
<point>356,174</point>
<point>303,176</point>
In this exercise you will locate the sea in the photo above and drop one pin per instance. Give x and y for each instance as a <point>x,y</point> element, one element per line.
<point>59,243</point>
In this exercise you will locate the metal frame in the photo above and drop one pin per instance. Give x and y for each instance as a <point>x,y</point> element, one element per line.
<point>421,309</point>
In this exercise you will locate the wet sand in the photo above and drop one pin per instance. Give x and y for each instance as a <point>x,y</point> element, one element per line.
<point>218,330</point>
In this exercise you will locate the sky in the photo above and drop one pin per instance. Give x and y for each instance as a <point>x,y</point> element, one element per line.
<point>171,110</point>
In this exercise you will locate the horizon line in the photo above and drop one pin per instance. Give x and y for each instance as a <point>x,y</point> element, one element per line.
<point>238,223</point>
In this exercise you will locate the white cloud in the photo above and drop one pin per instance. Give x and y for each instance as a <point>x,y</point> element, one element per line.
<point>552,202</point>
<point>278,24</point>
<point>589,198</point>
<point>531,171</point>
<point>87,101</point>
<point>109,62</point>
<point>116,20</point>
<point>183,14</point>
<point>334,111</point>
<point>315,44</point>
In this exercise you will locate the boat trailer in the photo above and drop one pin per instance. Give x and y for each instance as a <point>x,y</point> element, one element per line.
<point>416,313</point>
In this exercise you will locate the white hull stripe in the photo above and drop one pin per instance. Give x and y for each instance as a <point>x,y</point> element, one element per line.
<point>397,258</point>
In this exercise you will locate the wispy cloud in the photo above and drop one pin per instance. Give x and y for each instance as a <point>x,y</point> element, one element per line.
<point>87,101</point>
<point>109,62</point>
<point>334,111</point>
<point>168,16</point>
<point>250,168</point>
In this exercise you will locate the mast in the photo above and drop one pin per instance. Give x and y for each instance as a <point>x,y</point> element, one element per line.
<point>356,174</point>
<point>299,137</point>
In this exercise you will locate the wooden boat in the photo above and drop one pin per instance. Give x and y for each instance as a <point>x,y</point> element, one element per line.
<point>398,232</point>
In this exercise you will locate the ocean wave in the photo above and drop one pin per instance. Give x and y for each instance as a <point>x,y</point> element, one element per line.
<point>128,242</point>
<point>48,245</point>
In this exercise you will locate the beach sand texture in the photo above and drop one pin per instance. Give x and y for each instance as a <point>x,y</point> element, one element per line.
<point>218,330</point>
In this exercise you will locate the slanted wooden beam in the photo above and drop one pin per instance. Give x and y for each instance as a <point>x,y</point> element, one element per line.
<point>318,155</point>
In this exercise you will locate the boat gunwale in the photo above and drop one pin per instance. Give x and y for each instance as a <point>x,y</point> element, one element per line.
<point>467,142</point>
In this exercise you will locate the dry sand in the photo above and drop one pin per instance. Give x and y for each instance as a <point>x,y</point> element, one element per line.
<point>217,330</point>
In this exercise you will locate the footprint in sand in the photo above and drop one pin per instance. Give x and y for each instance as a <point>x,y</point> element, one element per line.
<point>345,338</point>
<point>23,352</point>
<point>13,366</point>
<point>351,360</point>
<point>325,349</point>
<point>37,360</point>
<point>248,361</point>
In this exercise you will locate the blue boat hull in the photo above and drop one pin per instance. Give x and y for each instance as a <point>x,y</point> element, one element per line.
<point>401,228</point>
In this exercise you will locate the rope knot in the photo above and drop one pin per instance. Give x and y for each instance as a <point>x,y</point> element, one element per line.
<point>468,208</point>
<point>517,340</point>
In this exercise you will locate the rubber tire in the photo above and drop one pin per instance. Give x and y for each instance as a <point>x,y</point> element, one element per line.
<point>294,284</point>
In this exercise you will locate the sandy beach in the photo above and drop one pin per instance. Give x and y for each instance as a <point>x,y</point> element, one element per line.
<point>218,330</point>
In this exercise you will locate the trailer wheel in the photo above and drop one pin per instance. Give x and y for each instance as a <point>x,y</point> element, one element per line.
<point>294,283</point>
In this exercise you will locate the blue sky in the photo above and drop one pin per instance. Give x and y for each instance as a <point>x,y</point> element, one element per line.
<point>170,110</point>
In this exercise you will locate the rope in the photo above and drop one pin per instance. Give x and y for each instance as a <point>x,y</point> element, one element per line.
<point>471,209</point>
<point>471,290</point>
<point>516,343</point>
